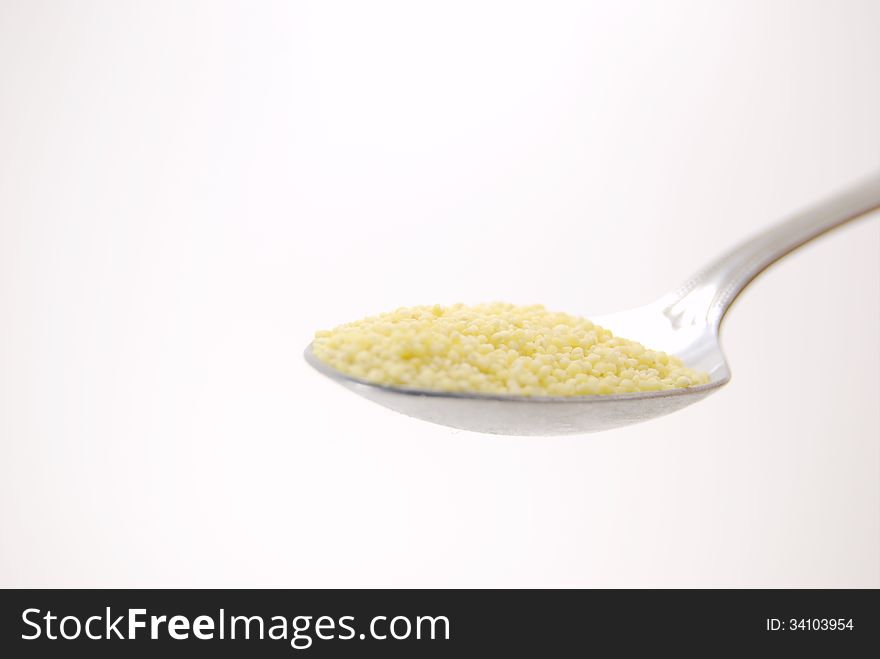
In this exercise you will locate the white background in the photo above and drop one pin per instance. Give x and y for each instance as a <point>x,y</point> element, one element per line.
<point>189,190</point>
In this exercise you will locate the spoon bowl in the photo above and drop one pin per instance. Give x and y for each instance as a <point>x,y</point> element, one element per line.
<point>684,323</point>
<point>562,415</point>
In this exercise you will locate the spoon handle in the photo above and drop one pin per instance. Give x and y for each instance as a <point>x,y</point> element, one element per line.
<point>707,295</point>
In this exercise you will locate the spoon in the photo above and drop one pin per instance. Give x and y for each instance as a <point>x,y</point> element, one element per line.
<point>685,323</point>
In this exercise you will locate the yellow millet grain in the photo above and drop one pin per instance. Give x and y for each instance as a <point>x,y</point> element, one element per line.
<point>498,349</point>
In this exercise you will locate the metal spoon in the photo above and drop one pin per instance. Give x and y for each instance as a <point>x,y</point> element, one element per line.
<point>685,323</point>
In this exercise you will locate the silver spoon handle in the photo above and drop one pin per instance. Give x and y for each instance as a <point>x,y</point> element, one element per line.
<point>707,295</point>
